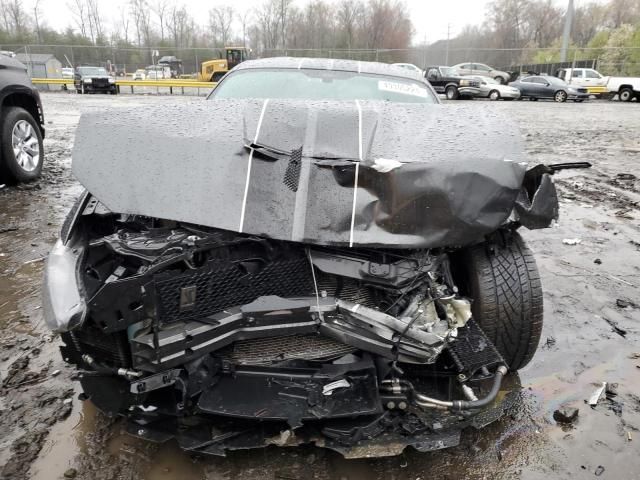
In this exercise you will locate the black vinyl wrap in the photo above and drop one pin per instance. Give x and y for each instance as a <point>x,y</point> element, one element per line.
<point>428,175</point>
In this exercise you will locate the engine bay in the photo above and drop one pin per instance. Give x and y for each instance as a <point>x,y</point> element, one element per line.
<point>187,326</point>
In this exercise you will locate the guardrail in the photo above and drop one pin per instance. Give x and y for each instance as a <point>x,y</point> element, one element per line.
<point>168,83</point>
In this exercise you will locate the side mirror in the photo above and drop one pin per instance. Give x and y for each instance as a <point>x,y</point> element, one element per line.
<point>546,84</point>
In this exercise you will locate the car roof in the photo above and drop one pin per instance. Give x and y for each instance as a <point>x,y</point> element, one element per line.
<point>374,68</point>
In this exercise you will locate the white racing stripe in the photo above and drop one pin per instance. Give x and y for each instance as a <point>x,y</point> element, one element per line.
<point>246,185</point>
<point>355,181</point>
<point>315,283</point>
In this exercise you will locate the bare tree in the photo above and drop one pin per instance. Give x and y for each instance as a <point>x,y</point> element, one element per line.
<point>220,19</point>
<point>16,17</point>
<point>95,20</point>
<point>623,12</point>
<point>245,18</point>
<point>161,9</point>
<point>180,26</point>
<point>268,23</point>
<point>36,18</point>
<point>348,13</point>
<point>284,8</point>
<point>588,19</point>
<point>124,24</point>
<point>545,22</point>
<point>79,14</point>
<point>140,14</point>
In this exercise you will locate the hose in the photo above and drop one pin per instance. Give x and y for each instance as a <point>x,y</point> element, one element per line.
<point>122,372</point>
<point>455,405</point>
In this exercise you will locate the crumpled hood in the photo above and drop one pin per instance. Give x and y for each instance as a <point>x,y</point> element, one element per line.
<point>321,172</point>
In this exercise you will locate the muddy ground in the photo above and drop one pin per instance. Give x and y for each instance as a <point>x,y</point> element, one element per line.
<point>588,337</point>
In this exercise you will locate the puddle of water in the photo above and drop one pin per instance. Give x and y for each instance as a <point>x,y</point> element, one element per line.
<point>172,464</point>
<point>66,440</point>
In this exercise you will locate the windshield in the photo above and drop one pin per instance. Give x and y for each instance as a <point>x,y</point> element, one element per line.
<point>488,80</point>
<point>321,85</point>
<point>92,71</point>
<point>448,71</point>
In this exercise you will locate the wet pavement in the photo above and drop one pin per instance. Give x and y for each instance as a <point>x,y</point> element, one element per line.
<point>588,337</point>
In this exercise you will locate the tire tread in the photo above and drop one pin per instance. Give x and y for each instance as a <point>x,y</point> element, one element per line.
<point>507,293</point>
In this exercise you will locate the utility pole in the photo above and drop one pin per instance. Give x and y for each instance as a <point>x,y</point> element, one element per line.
<point>282,19</point>
<point>446,58</point>
<point>36,6</point>
<point>424,52</point>
<point>566,33</point>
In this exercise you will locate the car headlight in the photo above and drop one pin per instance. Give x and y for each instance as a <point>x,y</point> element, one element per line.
<point>112,80</point>
<point>465,83</point>
<point>62,305</point>
<point>87,80</point>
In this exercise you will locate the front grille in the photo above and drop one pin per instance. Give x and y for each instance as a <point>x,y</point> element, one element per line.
<point>221,285</point>
<point>266,351</point>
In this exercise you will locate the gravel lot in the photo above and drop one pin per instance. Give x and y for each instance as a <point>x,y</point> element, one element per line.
<point>589,336</point>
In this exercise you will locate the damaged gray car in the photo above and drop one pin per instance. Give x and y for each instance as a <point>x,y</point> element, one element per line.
<point>319,253</point>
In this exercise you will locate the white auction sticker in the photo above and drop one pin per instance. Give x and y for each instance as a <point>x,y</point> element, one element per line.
<point>404,88</point>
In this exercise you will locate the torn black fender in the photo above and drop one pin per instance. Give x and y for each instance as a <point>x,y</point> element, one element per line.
<point>320,172</point>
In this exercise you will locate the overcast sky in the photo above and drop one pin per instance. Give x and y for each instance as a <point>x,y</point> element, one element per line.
<point>430,17</point>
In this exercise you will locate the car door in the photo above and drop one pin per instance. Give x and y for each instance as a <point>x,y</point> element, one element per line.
<point>540,87</point>
<point>480,69</point>
<point>577,77</point>
<point>435,79</point>
<point>526,87</point>
<point>592,78</point>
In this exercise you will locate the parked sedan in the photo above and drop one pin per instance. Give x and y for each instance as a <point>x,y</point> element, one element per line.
<point>494,90</point>
<point>539,86</point>
<point>482,69</point>
<point>410,66</point>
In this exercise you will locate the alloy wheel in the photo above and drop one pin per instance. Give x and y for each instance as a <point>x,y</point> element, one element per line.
<point>26,148</point>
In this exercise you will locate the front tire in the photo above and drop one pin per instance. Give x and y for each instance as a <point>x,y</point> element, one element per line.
<point>494,95</point>
<point>500,80</point>
<point>451,92</point>
<point>560,96</point>
<point>503,280</point>
<point>22,148</point>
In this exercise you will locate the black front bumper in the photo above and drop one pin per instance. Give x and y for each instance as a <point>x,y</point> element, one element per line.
<point>214,405</point>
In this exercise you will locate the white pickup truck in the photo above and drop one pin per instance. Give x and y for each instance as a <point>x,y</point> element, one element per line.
<point>627,88</point>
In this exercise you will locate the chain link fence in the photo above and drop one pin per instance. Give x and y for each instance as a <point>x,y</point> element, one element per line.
<point>125,61</point>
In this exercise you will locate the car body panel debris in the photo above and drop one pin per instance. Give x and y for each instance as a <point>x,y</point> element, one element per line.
<point>597,395</point>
